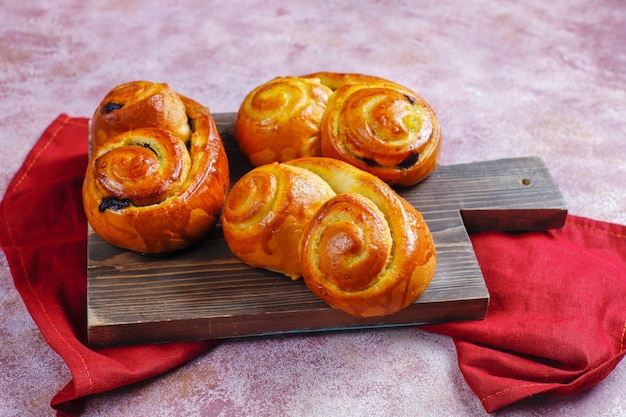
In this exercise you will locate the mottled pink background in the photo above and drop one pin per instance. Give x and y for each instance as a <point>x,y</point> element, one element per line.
<point>507,79</point>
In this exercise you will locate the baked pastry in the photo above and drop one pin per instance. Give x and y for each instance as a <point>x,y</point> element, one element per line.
<point>148,190</point>
<point>374,124</point>
<point>280,120</point>
<point>379,126</point>
<point>139,104</point>
<point>358,245</point>
<point>266,212</point>
<point>366,251</point>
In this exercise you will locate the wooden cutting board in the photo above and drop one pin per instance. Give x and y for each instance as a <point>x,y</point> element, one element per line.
<point>206,292</point>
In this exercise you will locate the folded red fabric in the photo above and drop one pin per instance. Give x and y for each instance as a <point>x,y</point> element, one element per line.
<point>556,322</point>
<point>43,232</point>
<point>557,316</point>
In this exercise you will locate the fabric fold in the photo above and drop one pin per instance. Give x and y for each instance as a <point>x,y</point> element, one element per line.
<point>43,232</point>
<point>557,317</point>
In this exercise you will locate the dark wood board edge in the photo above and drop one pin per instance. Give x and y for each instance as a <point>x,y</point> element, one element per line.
<point>281,323</point>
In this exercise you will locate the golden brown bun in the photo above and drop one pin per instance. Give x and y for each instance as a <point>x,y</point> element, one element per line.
<point>374,124</point>
<point>381,127</point>
<point>265,213</point>
<point>280,120</point>
<point>367,251</point>
<point>139,104</point>
<point>359,246</point>
<point>149,191</point>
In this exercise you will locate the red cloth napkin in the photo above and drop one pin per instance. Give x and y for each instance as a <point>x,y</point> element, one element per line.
<point>556,322</point>
<point>557,316</point>
<point>43,232</point>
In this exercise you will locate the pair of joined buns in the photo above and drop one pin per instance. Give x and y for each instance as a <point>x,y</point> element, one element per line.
<point>374,124</point>
<point>358,245</point>
<point>158,174</point>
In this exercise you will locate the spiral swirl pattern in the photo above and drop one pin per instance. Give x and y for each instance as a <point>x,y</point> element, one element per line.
<point>367,251</point>
<point>280,120</point>
<point>142,166</point>
<point>358,245</point>
<point>149,191</point>
<point>265,213</point>
<point>348,243</point>
<point>383,128</point>
<point>374,124</point>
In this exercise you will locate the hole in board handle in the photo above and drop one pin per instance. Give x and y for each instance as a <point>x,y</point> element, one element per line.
<point>525,182</point>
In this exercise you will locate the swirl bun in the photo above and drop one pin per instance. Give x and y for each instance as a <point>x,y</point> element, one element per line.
<point>265,213</point>
<point>374,124</point>
<point>280,120</point>
<point>141,167</point>
<point>358,245</point>
<point>367,251</point>
<point>381,127</point>
<point>148,190</point>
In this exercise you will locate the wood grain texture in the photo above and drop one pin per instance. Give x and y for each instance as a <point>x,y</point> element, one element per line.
<point>206,292</point>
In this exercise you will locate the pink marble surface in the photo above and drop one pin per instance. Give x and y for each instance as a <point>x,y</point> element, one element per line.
<point>507,79</point>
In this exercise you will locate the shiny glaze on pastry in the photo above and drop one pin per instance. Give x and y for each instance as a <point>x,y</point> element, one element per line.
<point>380,127</point>
<point>265,213</point>
<point>374,124</point>
<point>358,245</point>
<point>150,191</point>
<point>367,251</point>
<point>139,104</point>
<point>280,120</point>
